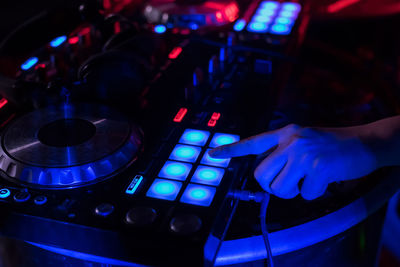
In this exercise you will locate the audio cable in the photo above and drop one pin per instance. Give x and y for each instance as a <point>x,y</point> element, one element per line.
<point>263,198</point>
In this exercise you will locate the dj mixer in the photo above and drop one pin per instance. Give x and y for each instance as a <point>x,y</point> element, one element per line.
<point>106,125</point>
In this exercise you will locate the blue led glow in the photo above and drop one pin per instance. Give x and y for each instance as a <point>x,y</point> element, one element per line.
<point>221,139</point>
<point>198,195</point>
<point>269,4</point>
<point>266,12</point>
<point>208,175</point>
<point>283,20</point>
<point>4,193</point>
<point>261,18</point>
<point>160,29</point>
<point>207,160</point>
<point>291,7</point>
<point>133,186</point>
<point>29,63</point>
<point>287,14</point>
<point>56,42</point>
<point>194,137</point>
<point>257,27</point>
<point>193,26</point>
<point>280,29</point>
<point>185,153</point>
<point>239,25</point>
<point>164,189</point>
<point>175,170</point>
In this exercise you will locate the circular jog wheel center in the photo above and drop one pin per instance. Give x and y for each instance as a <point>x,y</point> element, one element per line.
<point>66,132</point>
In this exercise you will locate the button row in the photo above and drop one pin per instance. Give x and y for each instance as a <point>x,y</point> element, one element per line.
<point>22,196</point>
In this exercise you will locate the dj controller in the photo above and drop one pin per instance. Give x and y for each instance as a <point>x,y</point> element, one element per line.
<point>106,127</point>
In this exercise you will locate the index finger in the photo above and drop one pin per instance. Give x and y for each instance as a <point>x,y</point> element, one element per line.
<point>253,145</point>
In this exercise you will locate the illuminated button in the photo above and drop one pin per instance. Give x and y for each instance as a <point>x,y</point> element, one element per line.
<point>265,12</point>
<point>207,160</point>
<point>288,14</point>
<point>208,175</point>
<point>239,25</point>
<point>269,4</point>
<point>280,29</point>
<point>29,63</point>
<point>56,42</point>
<point>4,193</point>
<point>262,19</point>
<point>164,189</point>
<point>194,137</point>
<point>160,29</point>
<point>283,20</point>
<point>185,153</point>
<point>221,139</point>
<point>133,186</point>
<point>257,27</point>
<point>175,170</point>
<point>198,195</point>
<point>291,7</point>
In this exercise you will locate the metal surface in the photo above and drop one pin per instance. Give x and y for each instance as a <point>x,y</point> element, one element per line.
<point>97,143</point>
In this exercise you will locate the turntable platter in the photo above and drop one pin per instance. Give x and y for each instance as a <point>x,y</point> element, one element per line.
<point>68,146</point>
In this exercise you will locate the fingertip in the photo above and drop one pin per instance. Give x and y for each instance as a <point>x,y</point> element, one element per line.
<point>217,152</point>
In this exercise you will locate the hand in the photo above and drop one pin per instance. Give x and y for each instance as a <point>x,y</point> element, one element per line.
<point>317,155</point>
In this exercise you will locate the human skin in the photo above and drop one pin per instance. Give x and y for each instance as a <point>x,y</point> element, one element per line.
<point>318,156</point>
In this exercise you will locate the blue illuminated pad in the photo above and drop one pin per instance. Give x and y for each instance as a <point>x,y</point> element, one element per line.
<point>207,160</point>
<point>280,29</point>
<point>257,27</point>
<point>29,63</point>
<point>175,170</point>
<point>185,153</point>
<point>200,195</point>
<point>194,137</point>
<point>208,175</point>
<point>295,7</point>
<point>221,139</point>
<point>164,189</point>
<point>56,42</point>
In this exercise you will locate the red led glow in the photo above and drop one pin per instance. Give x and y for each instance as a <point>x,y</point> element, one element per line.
<point>214,118</point>
<point>175,52</point>
<point>3,102</point>
<point>180,115</point>
<point>232,12</point>
<point>106,4</point>
<point>117,27</point>
<point>40,66</point>
<point>73,40</point>
<point>85,31</point>
<point>219,16</point>
<point>340,4</point>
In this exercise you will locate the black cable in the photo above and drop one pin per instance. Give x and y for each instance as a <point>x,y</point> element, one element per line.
<point>264,230</point>
<point>263,198</point>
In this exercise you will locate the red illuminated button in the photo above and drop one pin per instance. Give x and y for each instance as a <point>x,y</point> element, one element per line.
<point>175,52</point>
<point>180,115</point>
<point>214,118</point>
<point>3,102</point>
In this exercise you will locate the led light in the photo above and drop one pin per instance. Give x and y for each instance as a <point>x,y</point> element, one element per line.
<point>194,137</point>
<point>180,115</point>
<point>4,193</point>
<point>198,195</point>
<point>175,170</point>
<point>291,7</point>
<point>185,153</point>
<point>175,52</point>
<point>160,29</point>
<point>56,42</point>
<point>73,40</point>
<point>280,29</point>
<point>29,63</point>
<point>287,14</point>
<point>3,102</point>
<point>269,4</point>
<point>262,19</point>
<point>266,12</point>
<point>207,160</point>
<point>257,27</point>
<point>134,185</point>
<point>208,175</point>
<point>283,20</point>
<point>221,139</point>
<point>164,189</point>
<point>239,25</point>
